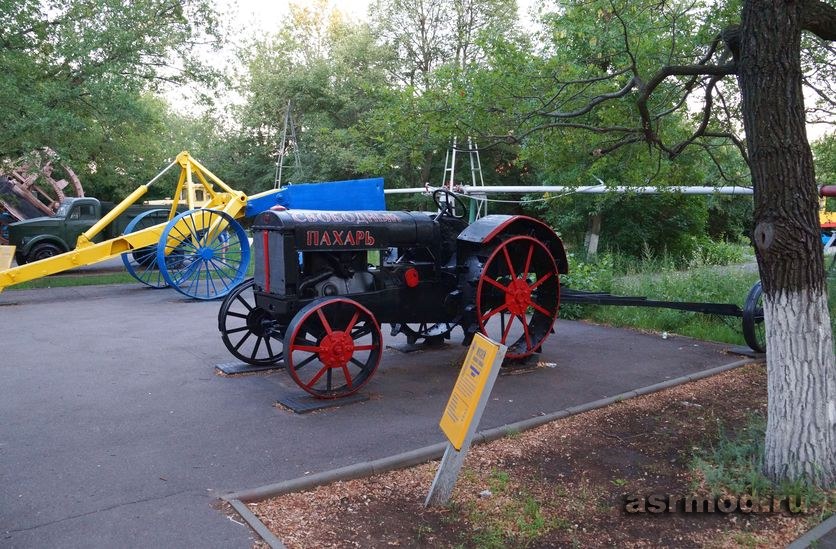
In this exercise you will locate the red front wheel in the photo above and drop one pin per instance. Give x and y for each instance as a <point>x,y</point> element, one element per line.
<point>332,347</point>
<point>518,295</point>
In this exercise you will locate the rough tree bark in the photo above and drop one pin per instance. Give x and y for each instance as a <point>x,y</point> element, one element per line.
<point>801,425</point>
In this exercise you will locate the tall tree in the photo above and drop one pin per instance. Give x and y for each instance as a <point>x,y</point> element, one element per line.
<point>763,52</point>
<point>436,46</point>
<point>332,72</point>
<point>425,34</point>
<point>801,429</point>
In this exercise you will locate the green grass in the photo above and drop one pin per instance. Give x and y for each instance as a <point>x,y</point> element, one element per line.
<point>657,280</point>
<point>66,281</point>
<point>498,481</point>
<point>520,523</point>
<point>733,464</point>
<point>705,284</point>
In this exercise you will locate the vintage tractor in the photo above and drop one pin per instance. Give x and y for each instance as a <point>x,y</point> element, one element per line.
<point>325,281</point>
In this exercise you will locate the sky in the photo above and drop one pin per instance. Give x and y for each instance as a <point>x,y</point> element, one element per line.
<point>265,15</point>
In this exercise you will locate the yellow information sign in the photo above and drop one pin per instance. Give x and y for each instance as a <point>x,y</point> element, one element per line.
<point>466,396</point>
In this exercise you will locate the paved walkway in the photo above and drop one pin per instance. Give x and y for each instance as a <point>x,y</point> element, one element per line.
<point>117,432</point>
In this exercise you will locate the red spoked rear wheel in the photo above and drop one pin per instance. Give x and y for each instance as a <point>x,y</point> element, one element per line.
<point>332,347</point>
<point>518,295</point>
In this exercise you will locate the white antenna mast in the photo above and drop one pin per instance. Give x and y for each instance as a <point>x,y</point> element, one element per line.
<point>283,147</point>
<point>476,180</point>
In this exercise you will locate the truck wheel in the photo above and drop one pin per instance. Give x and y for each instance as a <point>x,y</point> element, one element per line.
<point>43,251</point>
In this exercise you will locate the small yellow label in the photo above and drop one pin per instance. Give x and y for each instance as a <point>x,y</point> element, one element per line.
<point>468,389</point>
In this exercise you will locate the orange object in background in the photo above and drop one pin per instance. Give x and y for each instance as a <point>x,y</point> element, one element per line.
<point>827,219</point>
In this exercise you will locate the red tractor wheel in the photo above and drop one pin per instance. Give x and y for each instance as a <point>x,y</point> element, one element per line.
<point>518,295</point>
<point>332,347</point>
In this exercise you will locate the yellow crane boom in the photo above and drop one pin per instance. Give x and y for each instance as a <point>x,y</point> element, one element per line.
<point>226,200</point>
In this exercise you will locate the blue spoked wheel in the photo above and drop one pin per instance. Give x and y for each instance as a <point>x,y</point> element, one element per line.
<point>203,254</point>
<point>141,263</point>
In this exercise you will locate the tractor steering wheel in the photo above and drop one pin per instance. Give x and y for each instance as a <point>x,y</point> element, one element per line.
<point>445,208</point>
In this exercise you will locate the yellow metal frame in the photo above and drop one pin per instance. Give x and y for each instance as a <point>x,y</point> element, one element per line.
<point>827,220</point>
<point>87,252</point>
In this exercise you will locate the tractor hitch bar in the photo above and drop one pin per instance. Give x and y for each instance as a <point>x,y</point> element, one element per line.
<point>751,313</point>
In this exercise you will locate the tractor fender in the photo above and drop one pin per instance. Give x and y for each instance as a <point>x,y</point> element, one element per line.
<point>489,228</point>
<point>30,244</point>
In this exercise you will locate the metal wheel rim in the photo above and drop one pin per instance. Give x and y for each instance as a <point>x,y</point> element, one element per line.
<point>52,252</point>
<point>141,263</point>
<point>249,332</point>
<point>315,364</point>
<point>500,293</point>
<point>203,254</point>
<point>754,328</point>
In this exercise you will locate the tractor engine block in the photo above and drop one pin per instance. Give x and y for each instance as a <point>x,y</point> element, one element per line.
<point>330,274</point>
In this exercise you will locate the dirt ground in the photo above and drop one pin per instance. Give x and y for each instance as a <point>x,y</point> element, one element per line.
<point>565,484</point>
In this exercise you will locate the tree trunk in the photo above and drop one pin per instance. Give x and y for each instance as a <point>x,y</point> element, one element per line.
<point>593,233</point>
<point>426,165</point>
<point>801,425</point>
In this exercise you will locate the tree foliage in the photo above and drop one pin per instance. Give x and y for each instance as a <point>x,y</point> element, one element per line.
<point>332,73</point>
<point>80,77</point>
<point>425,35</point>
<point>764,55</point>
<point>356,112</point>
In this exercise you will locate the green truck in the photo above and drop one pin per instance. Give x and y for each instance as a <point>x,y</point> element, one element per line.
<point>43,237</point>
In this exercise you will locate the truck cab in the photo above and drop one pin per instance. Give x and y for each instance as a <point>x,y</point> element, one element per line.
<point>43,237</point>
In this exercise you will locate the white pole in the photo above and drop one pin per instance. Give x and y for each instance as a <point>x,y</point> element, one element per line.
<point>589,189</point>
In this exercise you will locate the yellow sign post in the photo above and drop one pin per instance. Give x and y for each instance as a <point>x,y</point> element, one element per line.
<point>463,412</point>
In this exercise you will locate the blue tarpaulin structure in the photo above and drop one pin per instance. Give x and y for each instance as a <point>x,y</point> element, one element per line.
<point>350,195</point>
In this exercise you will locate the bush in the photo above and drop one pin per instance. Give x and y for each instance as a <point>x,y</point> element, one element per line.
<point>667,223</point>
<point>712,252</point>
<point>730,217</point>
<point>734,465</point>
<point>589,275</point>
<point>594,276</point>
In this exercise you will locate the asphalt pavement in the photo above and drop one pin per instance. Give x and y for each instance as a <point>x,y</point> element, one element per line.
<point>116,431</point>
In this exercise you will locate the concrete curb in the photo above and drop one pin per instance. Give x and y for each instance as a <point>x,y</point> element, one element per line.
<point>435,451</point>
<point>811,537</point>
<point>358,470</point>
<point>256,524</point>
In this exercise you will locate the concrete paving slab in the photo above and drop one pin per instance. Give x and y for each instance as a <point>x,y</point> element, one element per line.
<point>116,430</point>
